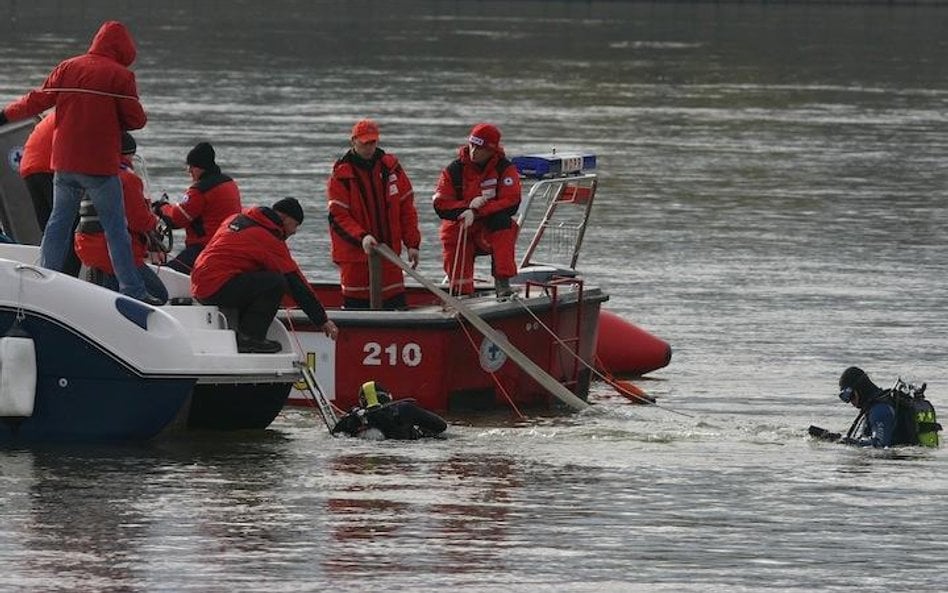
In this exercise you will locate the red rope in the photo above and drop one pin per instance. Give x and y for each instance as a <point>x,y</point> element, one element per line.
<point>492,374</point>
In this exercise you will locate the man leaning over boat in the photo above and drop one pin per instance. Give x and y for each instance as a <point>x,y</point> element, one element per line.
<point>247,266</point>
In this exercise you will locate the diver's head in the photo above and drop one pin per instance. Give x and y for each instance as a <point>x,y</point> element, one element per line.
<point>856,388</point>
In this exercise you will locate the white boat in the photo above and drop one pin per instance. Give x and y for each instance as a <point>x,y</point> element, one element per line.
<point>107,367</point>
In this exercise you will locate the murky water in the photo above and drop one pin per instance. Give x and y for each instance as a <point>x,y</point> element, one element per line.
<point>772,203</point>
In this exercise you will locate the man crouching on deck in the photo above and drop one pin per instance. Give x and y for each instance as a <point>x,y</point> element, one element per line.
<point>247,266</point>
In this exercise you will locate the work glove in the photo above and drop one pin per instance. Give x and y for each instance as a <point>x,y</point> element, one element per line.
<point>368,242</point>
<point>823,434</point>
<point>478,202</point>
<point>467,218</point>
<point>329,328</point>
<point>413,256</point>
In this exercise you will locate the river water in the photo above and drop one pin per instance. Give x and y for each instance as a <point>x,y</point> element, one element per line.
<point>772,203</point>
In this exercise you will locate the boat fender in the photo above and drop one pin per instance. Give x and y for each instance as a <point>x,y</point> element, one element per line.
<point>17,373</point>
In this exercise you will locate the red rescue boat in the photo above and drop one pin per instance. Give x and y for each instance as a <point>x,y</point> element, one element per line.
<point>433,354</point>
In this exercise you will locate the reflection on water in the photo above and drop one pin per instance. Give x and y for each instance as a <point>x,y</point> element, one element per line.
<point>771,203</point>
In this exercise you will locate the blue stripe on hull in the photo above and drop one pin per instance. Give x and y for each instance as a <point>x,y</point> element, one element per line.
<point>85,394</point>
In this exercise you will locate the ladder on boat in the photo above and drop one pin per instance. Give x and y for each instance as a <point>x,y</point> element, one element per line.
<point>319,398</point>
<point>570,365</point>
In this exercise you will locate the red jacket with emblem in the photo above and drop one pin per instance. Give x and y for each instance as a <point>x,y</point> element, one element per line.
<point>252,241</point>
<point>211,200</point>
<point>370,198</point>
<point>92,248</point>
<point>38,149</point>
<point>96,98</point>
<point>501,187</point>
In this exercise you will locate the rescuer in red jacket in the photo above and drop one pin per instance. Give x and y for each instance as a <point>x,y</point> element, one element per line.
<point>212,198</point>
<point>476,197</point>
<point>96,99</point>
<point>36,169</point>
<point>248,266</point>
<point>371,201</point>
<point>90,240</point>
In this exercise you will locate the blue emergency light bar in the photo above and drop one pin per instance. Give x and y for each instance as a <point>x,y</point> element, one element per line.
<point>544,166</point>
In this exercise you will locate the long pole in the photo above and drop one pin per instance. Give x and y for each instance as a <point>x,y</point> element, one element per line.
<point>536,373</point>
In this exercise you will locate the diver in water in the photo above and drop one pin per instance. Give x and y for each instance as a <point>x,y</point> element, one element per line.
<point>887,417</point>
<point>378,416</point>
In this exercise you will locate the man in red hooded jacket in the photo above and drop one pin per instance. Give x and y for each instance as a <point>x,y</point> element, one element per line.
<point>476,197</point>
<point>247,266</point>
<point>96,99</point>
<point>371,201</point>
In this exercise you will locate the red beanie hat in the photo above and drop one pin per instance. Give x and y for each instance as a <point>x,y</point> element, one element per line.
<point>486,136</point>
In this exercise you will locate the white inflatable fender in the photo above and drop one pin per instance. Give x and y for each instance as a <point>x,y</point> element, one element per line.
<point>17,374</point>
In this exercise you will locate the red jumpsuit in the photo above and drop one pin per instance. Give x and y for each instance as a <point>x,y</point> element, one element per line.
<point>90,241</point>
<point>493,231</point>
<point>370,198</point>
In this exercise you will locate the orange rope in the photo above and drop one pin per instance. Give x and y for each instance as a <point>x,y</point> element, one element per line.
<point>492,374</point>
<point>626,388</point>
<point>623,387</point>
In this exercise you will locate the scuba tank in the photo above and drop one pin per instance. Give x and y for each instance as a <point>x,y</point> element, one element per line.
<point>911,398</point>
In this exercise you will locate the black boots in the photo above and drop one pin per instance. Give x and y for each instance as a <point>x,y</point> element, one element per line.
<point>246,344</point>
<point>502,286</point>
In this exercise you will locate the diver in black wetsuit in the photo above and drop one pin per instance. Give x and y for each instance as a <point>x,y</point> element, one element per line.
<point>379,416</point>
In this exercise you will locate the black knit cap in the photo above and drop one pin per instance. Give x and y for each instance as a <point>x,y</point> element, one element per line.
<point>129,146</point>
<point>291,207</point>
<point>202,156</point>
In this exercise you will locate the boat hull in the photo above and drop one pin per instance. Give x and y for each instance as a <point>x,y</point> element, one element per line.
<point>236,407</point>
<point>435,357</point>
<point>85,394</point>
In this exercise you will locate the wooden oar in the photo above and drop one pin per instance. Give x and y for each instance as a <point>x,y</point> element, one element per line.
<point>536,373</point>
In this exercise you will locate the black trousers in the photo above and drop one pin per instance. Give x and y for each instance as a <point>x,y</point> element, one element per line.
<point>40,186</point>
<point>256,296</point>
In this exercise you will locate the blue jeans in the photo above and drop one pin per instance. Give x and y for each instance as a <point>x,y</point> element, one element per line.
<point>153,283</point>
<point>106,193</point>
